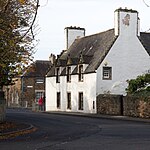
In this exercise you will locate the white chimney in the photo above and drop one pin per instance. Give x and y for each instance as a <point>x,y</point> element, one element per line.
<point>127,22</point>
<point>73,33</point>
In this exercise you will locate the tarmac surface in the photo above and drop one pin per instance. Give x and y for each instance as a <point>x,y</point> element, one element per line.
<point>10,129</point>
<point>14,129</point>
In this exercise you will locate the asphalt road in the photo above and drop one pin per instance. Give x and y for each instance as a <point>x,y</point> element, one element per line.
<point>67,132</point>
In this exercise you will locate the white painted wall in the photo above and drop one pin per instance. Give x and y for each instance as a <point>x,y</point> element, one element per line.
<point>88,87</point>
<point>72,34</point>
<point>50,93</point>
<point>121,22</point>
<point>127,57</point>
<point>127,60</point>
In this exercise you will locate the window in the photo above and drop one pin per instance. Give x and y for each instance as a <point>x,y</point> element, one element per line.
<point>38,95</point>
<point>93,104</point>
<point>107,73</point>
<point>39,80</point>
<point>57,75</point>
<point>80,72</point>
<point>80,101</point>
<point>58,100</point>
<point>68,100</point>
<point>68,74</point>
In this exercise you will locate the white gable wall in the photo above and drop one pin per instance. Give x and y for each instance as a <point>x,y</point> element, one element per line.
<point>127,57</point>
<point>127,60</point>
<point>50,93</point>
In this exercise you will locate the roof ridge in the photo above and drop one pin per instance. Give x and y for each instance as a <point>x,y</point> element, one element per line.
<point>95,34</point>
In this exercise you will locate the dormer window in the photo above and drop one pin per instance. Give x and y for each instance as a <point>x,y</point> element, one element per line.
<point>80,73</point>
<point>57,75</point>
<point>68,74</point>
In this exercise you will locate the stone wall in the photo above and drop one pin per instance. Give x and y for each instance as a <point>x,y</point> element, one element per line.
<point>30,86</point>
<point>28,95</point>
<point>137,106</point>
<point>13,93</point>
<point>22,93</point>
<point>109,104</point>
<point>128,106</point>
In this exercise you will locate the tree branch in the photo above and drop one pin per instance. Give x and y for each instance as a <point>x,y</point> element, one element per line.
<point>31,26</point>
<point>145,3</point>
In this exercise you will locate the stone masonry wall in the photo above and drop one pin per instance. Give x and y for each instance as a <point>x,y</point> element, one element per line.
<point>137,106</point>
<point>109,104</point>
<point>127,106</point>
<point>30,86</point>
<point>28,94</point>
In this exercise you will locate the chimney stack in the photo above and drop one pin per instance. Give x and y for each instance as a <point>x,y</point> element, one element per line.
<point>127,22</point>
<point>73,33</point>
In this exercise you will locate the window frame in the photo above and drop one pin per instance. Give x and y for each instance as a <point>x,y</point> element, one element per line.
<point>69,100</point>
<point>68,74</point>
<point>80,101</point>
<point>80,71</point>
<point>57,75</point>
<point>38,95</point>
<point>39,80</point>
<point>58,103</point>
<point>107,73</point>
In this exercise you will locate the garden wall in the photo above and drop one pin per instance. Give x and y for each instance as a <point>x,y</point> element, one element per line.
<point>110,104</point>
<point>128,106</point>
<point>137,106</point>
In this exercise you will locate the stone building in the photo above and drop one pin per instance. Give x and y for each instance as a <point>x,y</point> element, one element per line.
<point>28,87</point>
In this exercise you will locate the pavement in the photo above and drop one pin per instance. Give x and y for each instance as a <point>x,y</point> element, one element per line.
<point>126,118</point>
<point>16,129</point>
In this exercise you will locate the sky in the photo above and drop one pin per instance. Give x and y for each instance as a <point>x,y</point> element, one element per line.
<point>93,15</point>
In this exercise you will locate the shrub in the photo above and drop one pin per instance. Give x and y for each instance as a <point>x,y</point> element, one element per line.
<point>140,84</point>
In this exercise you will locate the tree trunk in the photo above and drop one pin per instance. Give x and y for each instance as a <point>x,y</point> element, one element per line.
<point>2,106</point>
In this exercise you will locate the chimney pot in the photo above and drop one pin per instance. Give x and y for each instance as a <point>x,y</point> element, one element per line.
<point>52,58</point>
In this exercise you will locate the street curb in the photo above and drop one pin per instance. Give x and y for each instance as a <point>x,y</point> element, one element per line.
<point>101,116</point>
<point>11,134</point>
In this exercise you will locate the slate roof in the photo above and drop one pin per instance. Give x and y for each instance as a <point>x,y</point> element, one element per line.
<point>37,69</point>
<point>89,50</point>
<point>92,50</point>
<point>145,40</point>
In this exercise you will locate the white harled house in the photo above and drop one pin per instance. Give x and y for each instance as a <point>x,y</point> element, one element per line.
<point>97,64</point>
